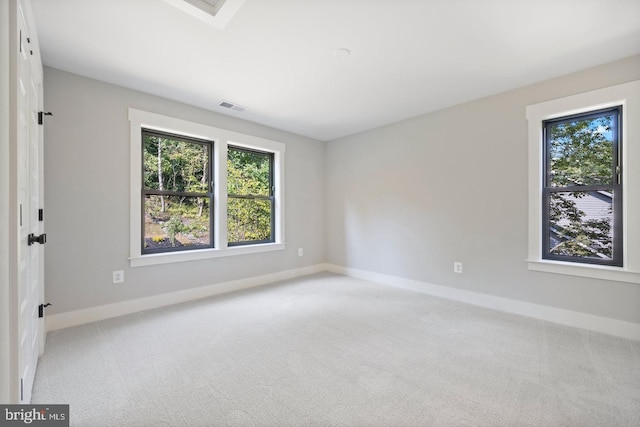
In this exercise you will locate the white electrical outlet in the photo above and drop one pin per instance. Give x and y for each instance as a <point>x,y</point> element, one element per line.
<point>300,251</point>
<point>457,267</point>
<point>118,276</point>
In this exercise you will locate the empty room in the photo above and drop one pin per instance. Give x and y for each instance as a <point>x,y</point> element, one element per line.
<point>320,213</point>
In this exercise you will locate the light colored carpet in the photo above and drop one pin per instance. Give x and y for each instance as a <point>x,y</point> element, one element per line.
<point>332,350</point>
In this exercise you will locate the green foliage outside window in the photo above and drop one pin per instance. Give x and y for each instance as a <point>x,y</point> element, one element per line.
<point>177,166</point>
<point>250,196</point>
<point>177,194</point>
<point>581,153</point>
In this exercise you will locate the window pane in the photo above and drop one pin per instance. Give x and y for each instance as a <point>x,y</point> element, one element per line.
<point>248,220</point>
<point>173,222</point>
<point>581,152</point>
<point>581,224</point>
<point>175,165</point>
<point>248,173</point>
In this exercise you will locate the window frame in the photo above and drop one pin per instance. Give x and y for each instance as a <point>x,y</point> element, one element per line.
<point>616,186</point>
<point>271,196</point>
<point>220,138</point>
<point>626,95</point>
<point>150,192</point>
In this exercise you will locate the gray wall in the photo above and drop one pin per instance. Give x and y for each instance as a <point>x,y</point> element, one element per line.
<point>411,198</point>
<point>87,198</point>
<point>406,199</point>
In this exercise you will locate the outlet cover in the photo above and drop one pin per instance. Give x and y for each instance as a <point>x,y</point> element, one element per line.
<point>300,251</point>
<point>118,276</point>
<point>457,267</point>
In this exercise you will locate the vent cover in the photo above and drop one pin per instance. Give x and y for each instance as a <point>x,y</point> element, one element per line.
<point>214,12</point>
<point>231,106</point>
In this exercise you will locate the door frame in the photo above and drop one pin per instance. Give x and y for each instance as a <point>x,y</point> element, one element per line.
<point>5,209</point>
<point>9,207</point>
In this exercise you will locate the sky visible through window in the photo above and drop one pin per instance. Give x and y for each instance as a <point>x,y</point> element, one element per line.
<point>581,154</point>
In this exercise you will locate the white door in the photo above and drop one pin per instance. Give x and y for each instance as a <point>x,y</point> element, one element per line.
<point>30,326</point>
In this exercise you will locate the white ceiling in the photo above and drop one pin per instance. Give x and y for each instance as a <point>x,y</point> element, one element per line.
<point>277,57</point>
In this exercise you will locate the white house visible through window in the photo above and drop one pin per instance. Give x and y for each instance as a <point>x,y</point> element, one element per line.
<point>583,178</point>
<point>201,192</point>
<point>582,193</point>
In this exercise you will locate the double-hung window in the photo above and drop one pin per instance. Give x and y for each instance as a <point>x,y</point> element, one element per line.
<point>582,193</point>
<point>250,196</point>
<point>584,176</point>
<point>201,192</point>
<point>177,192</point>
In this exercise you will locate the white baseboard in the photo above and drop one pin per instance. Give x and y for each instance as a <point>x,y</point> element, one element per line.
<point>619,328</point>
<point>93,314</point>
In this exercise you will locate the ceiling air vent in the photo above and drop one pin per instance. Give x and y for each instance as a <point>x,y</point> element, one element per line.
<point>214,12</point>
<point>231,106</point>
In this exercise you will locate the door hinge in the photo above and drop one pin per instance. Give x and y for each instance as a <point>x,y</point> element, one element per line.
<point>40,214</point>
<point>41,115</point>
<point>41,308</point>
<point>32,238</point>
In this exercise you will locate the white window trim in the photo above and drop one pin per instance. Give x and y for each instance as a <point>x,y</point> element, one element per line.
<point>627,95</point>
<point>221,139</point>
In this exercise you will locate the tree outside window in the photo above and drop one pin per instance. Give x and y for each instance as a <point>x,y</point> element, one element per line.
<point>250,196</point>
<point>582,192</point>
<point>176,195</point>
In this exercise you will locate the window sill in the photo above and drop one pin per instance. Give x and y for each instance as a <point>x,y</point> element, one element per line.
<point>170,257</point>
<point>616,274</point>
